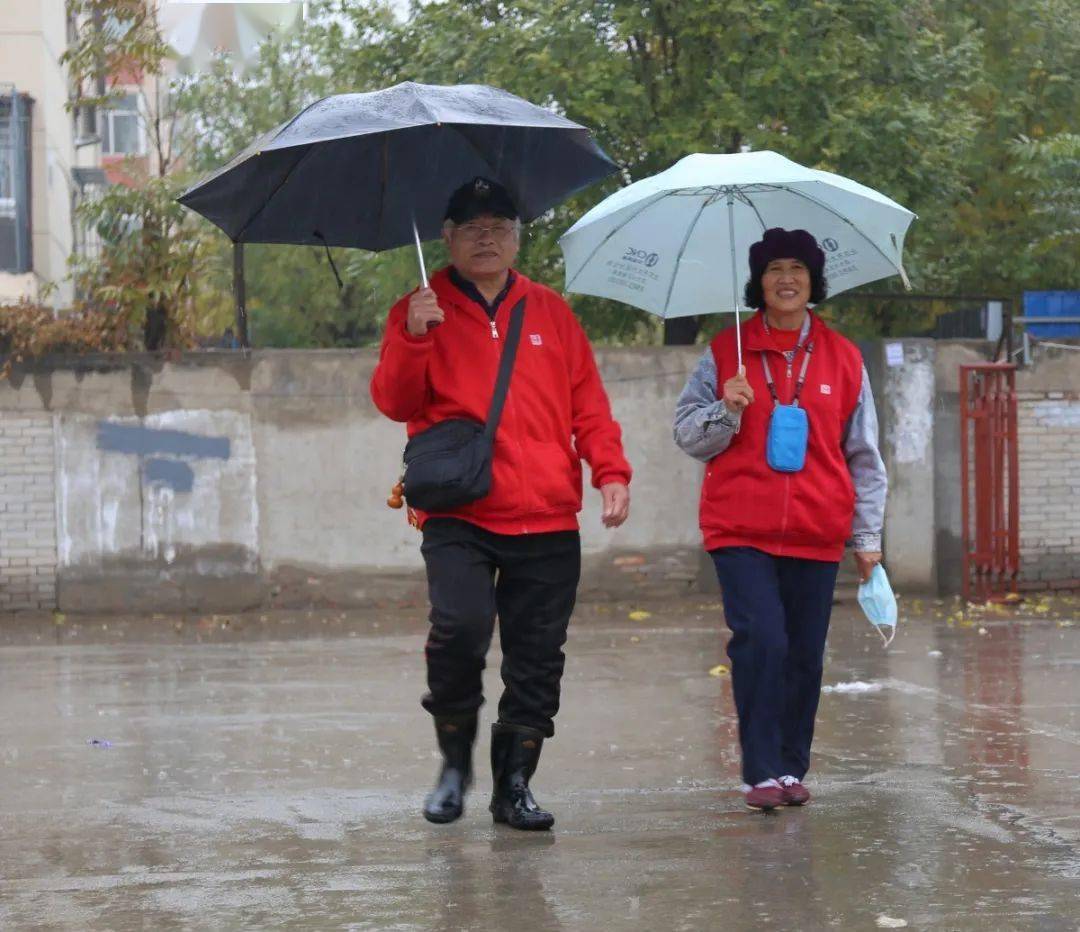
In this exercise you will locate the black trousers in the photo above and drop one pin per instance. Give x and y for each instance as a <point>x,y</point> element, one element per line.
<point>778,610</point>
<point>529,582</point>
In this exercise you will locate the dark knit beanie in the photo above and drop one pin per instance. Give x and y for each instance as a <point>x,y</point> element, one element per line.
<point>786,244</point>
<point>478,197</point>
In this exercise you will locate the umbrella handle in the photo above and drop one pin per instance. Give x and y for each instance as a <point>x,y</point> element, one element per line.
<point>419,253</point>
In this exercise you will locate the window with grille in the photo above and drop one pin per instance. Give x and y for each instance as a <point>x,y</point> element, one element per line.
<point>14,181</point>
<point>121,127</point>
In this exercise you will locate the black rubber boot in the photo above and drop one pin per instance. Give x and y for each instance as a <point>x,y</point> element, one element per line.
<point>515,752</point>
<point>456,734</point>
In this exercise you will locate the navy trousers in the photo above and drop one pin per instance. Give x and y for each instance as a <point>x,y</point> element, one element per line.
<point>778,611</point>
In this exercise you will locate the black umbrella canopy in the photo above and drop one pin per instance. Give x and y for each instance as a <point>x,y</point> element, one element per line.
<point>356,169</point>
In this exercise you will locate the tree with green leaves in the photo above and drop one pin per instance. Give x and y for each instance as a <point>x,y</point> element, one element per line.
<point>147,271</point>
<point>928,102</point>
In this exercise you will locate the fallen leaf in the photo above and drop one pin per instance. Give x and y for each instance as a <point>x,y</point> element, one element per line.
<point>888,922</point>
<point>640,616</point>
<point>719,670</point>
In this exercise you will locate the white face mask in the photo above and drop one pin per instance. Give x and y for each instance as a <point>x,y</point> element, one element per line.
<point>878,602</point>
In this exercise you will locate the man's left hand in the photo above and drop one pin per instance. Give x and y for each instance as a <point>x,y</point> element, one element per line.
<point>616,503</point>
<point>865,561</point>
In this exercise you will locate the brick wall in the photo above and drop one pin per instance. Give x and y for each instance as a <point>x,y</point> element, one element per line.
<point>1049,427</point>
<point>27,512</point>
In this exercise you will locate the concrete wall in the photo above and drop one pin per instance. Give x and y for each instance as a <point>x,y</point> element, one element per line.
<point>224,481</point>
<point>903,375</point>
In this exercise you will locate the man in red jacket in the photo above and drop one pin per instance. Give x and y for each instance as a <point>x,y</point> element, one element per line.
<point>516,553</point>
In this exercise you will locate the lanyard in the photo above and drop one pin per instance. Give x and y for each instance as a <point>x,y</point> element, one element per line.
<point>802,374</point>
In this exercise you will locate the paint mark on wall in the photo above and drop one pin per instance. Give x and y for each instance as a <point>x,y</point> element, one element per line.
<point>176,474</point>
<point>138,440</point>
<point>157,486</point>
<point>149,441</point>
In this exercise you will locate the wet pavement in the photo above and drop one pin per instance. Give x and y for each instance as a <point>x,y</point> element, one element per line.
<point>267,771</point>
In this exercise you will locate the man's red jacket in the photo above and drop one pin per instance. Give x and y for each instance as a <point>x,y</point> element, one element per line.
<point>556,412</point>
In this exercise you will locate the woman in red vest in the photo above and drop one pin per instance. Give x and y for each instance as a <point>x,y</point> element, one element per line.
<point>793,473</point>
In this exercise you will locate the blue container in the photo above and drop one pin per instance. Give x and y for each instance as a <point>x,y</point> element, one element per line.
<point>1052,304</point>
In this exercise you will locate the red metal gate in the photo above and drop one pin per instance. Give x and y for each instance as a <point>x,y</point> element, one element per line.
<point>991,482</point>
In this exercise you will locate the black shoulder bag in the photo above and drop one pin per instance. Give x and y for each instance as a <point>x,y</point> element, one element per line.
<point>449,464</point>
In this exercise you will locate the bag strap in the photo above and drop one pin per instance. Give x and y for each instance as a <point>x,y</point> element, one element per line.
<point>808,349</point>
<point>506,368</point>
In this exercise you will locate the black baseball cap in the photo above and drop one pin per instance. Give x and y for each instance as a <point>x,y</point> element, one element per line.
<point>478,197</point>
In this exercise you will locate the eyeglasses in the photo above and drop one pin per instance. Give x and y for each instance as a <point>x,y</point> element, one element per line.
<point>472,232</point>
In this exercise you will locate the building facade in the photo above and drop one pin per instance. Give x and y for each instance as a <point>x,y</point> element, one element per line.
<point>51,157</point>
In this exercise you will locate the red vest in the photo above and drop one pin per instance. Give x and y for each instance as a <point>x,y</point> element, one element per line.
<point>744,502</point>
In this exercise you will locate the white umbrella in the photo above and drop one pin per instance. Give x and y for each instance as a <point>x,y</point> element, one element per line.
<point>197,30</point>
<point>678,243</point>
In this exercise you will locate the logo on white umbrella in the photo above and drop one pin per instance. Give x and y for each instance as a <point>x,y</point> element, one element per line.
<point>829,244</point>
<point>641,257</point>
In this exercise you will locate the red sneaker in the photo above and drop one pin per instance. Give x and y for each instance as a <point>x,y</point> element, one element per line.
<point>764,798</point>
<point>795,794</point>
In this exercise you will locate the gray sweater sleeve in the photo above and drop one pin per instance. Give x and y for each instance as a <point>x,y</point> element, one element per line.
<point>867,471</point>
<point>703,425</point>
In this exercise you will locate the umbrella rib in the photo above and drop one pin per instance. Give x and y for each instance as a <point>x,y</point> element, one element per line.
<point>678,257</point>
<point>749,201</point>
<point>602,242</point>
<point>314,103</point>
<point>813,200</point>
<point>423,103</point>
<point>255,216</point>
<point>458,128</point>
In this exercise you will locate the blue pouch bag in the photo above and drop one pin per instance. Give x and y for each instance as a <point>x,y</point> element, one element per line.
<point>789,427</point>
<point>789,430</point>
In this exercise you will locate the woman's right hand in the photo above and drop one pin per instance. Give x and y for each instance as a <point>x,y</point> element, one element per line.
<point>738,393</point>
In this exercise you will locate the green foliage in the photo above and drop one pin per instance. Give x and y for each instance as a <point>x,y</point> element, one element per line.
<point>111,38</point>
<point>959,110</point>
<point>149,262</point>
<point>1024,87</point>
<point>1053,166</point>
<point>144,274</point>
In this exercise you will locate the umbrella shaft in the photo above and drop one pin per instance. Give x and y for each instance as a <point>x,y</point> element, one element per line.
<point>419,253</point>
<point>734,280</point>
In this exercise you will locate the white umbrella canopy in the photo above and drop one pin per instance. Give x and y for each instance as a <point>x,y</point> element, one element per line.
<point>678,243</point>
<point>197,30</point>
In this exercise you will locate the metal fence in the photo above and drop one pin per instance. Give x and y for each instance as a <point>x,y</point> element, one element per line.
<point>989,472</point>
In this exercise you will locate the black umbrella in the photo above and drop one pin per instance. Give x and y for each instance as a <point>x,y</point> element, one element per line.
<point>361,169</point>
